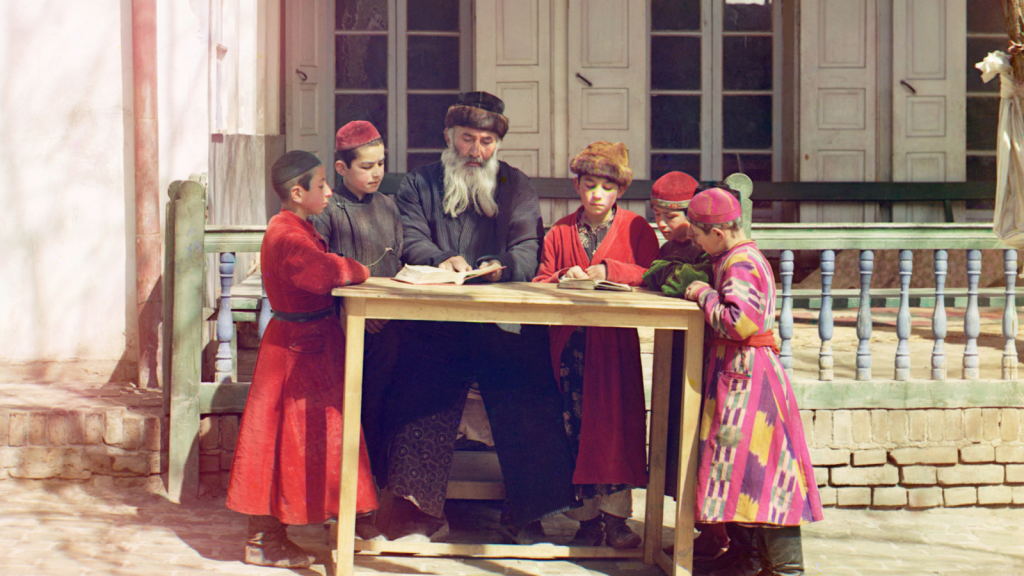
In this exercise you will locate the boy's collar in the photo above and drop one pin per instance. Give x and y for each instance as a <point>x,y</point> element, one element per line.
<point>344,192</point>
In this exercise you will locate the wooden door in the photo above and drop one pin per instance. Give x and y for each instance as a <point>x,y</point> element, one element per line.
<point>607,76</point>
<point>513,62</point>
<point>837,101</point>
<point>309,74</point>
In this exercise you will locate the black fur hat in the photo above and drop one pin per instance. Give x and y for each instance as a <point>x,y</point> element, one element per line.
<point>480,110</point>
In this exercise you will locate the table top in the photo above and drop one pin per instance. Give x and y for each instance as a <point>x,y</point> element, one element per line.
<point>514,293</point>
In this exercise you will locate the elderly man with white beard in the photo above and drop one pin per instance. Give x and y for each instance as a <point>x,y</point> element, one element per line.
<point>463,212</point>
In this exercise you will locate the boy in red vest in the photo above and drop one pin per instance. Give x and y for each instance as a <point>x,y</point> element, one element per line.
<point>288,457</point>
<point>598,369</point>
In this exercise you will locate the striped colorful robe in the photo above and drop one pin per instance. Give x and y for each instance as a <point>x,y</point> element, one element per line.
<point>754,465</point>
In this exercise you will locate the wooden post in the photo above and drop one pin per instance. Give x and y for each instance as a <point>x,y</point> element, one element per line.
<point>1013,10</point>
<point>166,329</point>
<point>186,340</point>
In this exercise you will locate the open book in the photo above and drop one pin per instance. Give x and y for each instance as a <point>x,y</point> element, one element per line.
<point>588,284</point>
<point>432,275</point>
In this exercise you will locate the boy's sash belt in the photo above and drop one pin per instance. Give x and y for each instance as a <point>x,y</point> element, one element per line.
<point>766,340</point>
<point>303,316</point>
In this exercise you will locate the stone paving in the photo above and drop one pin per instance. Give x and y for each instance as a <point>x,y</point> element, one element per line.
<point>69,528</point>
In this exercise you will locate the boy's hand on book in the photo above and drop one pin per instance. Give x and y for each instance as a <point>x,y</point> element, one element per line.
<point>693,289</point>
<point>455,264</point>
<point>375,325</point>
<point>575,272</point>
<point>598,272</point>
<point>493,276</point>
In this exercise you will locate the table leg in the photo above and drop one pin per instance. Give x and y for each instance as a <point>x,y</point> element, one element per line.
<point>661,381</point>
<point>688,438</point>
<point>355,324</point>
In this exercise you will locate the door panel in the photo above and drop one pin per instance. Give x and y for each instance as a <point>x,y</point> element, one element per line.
<point>309,73</point>
<point>608,77</point>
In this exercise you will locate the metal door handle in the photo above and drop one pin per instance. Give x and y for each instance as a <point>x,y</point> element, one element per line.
<point>907,84</point>
<point>302,75</point>
<point>580,76</point>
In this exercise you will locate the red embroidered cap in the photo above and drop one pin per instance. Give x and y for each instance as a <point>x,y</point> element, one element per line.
<point>355,134</point>
<point>673,191</point>
<point>714,206</point>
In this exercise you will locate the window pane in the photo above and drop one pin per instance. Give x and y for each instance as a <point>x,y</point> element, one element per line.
<point>370,107</point>
<point>981,168</point>
<point>977,49</point>
<point>747,63</point>
<point>434,15</point>
<point>662,164</point>
<point>361,15</point>
<point>982,122</point>
<point>986,16</point>
<point>675,15</point>
<point>675,122</point>
<point>414,160</point>
<point>757,166</point>
<point>747,122</point>
<point>361,62</point>
<point>748,15</point>
<point>675,63</point>
<point>426,119</point>
<point>433,62</point>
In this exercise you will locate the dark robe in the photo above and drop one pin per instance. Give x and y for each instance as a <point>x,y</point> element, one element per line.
<point>613,432</point>
<point>513,371</point>
<point>288,456</point>
<point>364,230</point>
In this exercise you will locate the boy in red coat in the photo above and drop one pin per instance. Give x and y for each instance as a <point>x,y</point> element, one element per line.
<point>288,455</point>
<point>598,369</point>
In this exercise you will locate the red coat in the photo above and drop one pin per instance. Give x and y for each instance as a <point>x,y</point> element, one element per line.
<point>613,432</point>
<point>289,446</point>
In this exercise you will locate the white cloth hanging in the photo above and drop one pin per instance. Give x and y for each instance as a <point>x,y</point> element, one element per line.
<point>1008,222</point>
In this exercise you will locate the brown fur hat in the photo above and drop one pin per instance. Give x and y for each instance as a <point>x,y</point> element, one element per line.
<point>480,110</point>
<point>604,159</point>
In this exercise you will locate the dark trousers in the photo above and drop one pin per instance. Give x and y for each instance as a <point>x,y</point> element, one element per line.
<point>380,352</point>
<point>519,391</point>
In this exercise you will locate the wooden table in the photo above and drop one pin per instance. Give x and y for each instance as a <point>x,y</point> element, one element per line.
<point>526,303</point>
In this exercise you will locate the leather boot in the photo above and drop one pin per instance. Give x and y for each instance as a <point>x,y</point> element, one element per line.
<point>268,545</point>
<point>617,534</point>
<point>741,558</point>
<point>781,551</point>
<point>590,533</point>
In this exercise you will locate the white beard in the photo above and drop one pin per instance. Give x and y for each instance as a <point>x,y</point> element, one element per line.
<point>465,184</point>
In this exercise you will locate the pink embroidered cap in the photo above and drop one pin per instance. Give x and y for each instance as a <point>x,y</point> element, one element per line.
<point>714,206</point>
<point>673,191</point>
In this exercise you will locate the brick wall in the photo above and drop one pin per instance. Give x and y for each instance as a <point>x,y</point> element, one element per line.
<point>917,458</point>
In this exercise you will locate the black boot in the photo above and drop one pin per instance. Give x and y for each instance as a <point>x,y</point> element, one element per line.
<point>590,533</point>
<point>618,534</point>
<point>741,558</point>
<point>781,551</point>
<point>268,545</point>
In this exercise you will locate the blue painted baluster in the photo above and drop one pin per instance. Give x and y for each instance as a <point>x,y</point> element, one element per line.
<point>939,316</point>
<point>1010,316</point>
<point>225,322</point>
<point>265,312</point>
<point>867,265</point>
<point>786,317</point>
<point>903,316</point>
<point>825,360</point>
<point>972,320</point>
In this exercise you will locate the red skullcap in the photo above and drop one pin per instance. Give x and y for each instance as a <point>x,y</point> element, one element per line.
<point>714,206</point>
<point>355,134</point>
<point>673,191</point>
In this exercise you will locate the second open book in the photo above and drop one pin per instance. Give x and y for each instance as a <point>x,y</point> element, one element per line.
<point>432,275</point>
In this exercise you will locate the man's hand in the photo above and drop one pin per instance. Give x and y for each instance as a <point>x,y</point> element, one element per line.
<point>598,272</point>
<point>493,276</point>
<point>576,272</point>
<point>691,290</point>
<point>375,325</point>
<point>455,264</point>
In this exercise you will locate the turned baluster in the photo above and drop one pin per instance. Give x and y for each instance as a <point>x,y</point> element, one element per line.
<point>1010,316</point>
<point>939,316</point>
<point>225,322</point>
<point>265,312</point>
<point>972,320</point>
<point>903,316</point>
<point>825,360</point>
<point>786,316</point>
<point>867,265</point>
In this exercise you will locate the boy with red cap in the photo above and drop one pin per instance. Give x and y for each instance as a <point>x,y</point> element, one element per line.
<point>598,369</point>
<point>681,261</point>
<point>288,455</point>
<point>754,468</point>
<point>361,224</point>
